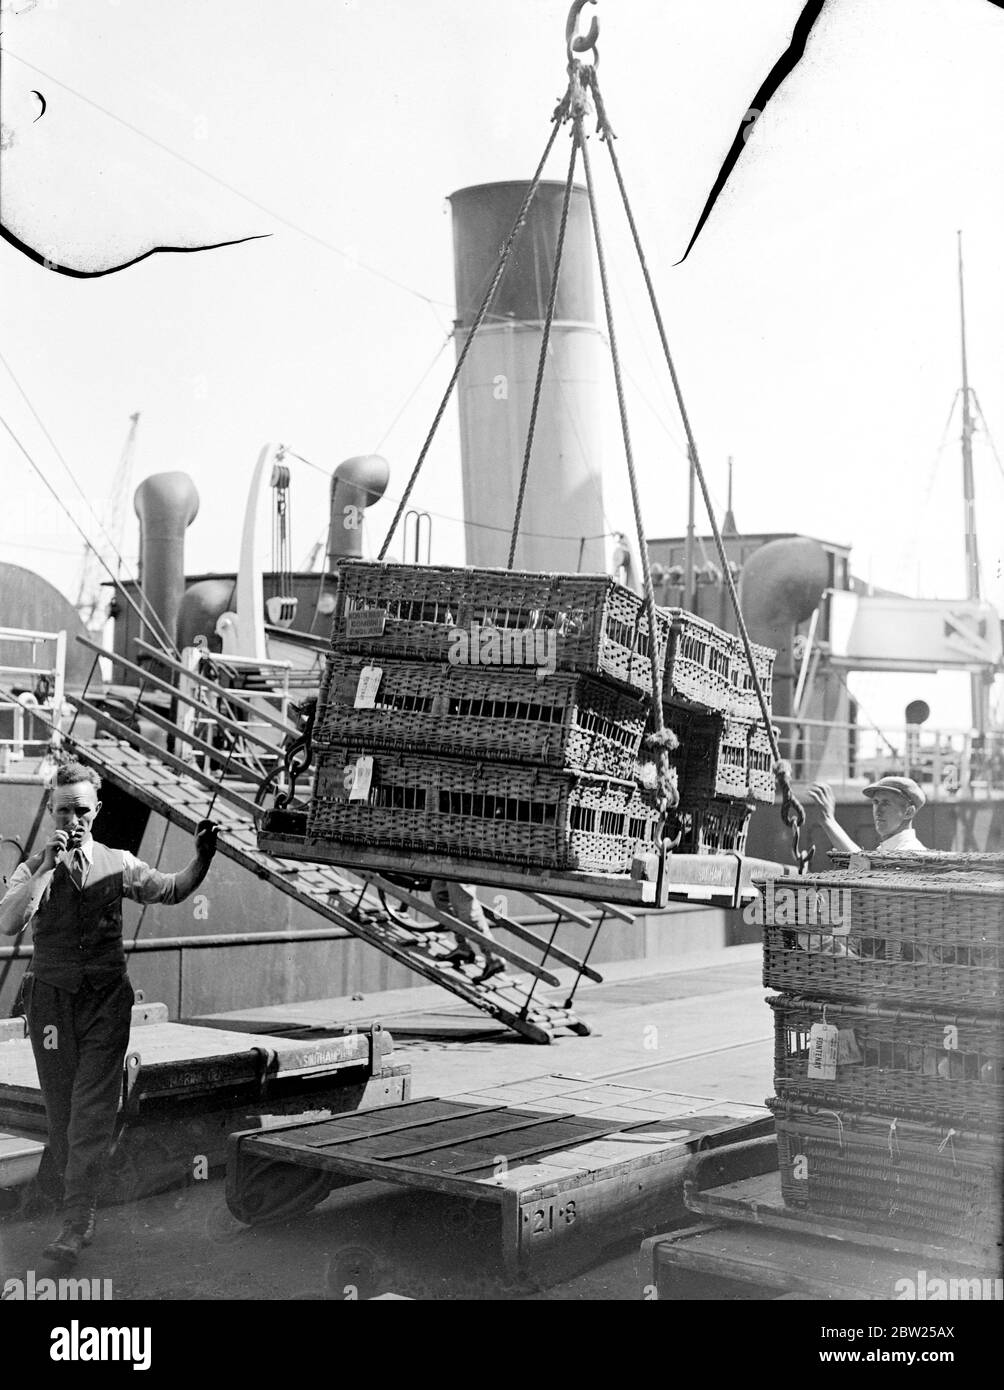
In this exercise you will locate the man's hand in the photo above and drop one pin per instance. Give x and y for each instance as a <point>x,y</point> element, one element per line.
<point>822,795</point>
<point>58,842</point>
<point>206,833</point>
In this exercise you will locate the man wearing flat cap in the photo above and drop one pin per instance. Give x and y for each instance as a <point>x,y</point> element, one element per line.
<point>895,802</point>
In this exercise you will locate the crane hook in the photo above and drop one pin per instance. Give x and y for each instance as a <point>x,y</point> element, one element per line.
<point>585,42</point>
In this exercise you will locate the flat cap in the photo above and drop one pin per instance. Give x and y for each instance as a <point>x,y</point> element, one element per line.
<point>906,787</point>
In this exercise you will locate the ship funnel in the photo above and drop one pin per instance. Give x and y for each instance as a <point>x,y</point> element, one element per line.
<point>355,485</point>
<point>781,586</point>
<point>166,503</point>
<point>562,526</point>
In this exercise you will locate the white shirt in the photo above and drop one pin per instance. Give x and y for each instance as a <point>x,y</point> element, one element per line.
<point>903,842</point>
<point>26,893</point>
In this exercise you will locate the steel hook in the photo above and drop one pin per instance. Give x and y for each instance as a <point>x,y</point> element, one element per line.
<point>584,42</point>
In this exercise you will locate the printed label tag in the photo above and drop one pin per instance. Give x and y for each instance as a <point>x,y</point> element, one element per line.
<point>367,622</point>
<point>848,1051</point>
<point>369,684</point>
<point>362,778</point>
<point>823,1039</point>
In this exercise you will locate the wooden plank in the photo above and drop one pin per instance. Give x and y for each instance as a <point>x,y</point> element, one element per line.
<point>566,883</point>
<point>396,1119</point>
<point>758,1202</point>
<point>778,1260</point>
<point>548,947</point>
<point>455,1135</point>
<point>265,1146</point>
<point>568,913</point>
<point>534,1141</point>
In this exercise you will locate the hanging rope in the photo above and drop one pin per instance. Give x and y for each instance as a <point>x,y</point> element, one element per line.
<point>557,118</point>
<point>542,358</point>
<point>792,811</point>
<point>661,740</point>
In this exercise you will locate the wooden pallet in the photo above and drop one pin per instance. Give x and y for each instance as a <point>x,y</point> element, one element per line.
<point>571,1166</point>
<point>171,1062</point>
<point>185,1089</point>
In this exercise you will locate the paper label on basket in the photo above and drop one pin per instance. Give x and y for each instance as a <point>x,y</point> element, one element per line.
<point>362,778</point>
<point>369,684</point>
<point>848,1051</point>
<point>823,1043</point>
<point>367,622</point>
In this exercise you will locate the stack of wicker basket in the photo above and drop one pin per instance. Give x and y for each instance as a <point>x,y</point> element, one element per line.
<point>485,714</point>
<point>889,1051</point>
<point>499,715</point>
<point>724,763</point>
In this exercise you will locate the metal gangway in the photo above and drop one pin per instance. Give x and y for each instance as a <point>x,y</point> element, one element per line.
<point>215,761</point>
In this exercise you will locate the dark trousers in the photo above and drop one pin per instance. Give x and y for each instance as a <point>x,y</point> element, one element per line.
<point>79,1041</point>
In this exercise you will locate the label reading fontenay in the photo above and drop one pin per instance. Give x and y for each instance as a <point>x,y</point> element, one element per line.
<point>823,1041</point>
<point>362,778</point>
<point>369,684</point>
<point>367,622</point>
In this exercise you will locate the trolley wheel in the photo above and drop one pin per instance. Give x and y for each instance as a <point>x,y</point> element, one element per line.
<point>268,1191</point>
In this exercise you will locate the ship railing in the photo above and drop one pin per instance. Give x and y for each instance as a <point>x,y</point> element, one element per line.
<point>38,685</point>
<point>263,683</point>
<point>945,762</point>
<point>207,724</point>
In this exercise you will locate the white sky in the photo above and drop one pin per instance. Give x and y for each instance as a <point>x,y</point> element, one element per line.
<point>815,324</point>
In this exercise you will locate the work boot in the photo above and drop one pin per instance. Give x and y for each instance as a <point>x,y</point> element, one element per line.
<point>84,1223</point>
<point>65,1249</point>
<point>460,955</point>
<point>494,965</point>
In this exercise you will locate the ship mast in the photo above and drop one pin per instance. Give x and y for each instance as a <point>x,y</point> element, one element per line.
<point>978,685</point>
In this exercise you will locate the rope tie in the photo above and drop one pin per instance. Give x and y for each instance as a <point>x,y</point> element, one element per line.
<point>893,1140</point>
<point>949,1142</point>
<point>840,1126</point>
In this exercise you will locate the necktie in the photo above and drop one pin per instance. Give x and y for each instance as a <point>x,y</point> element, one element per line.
<point>78,863</point>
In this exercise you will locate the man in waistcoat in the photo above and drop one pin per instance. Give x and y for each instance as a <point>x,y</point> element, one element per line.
<point>78,999</point>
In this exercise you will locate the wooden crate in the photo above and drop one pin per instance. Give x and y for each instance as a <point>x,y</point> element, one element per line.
<point>720,756</point>
<point>485,810</point>
<point>884,1170</point>
<point>561,721</point>
<point>904,939</point>
<point>920,1064</point>
<point>492,617</point>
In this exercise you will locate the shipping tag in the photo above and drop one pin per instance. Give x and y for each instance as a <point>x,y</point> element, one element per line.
<point>823,1052</point>
<point>362,778</point>
<point>848,1051</point>
<point>366,622</point>
<point>369,684</point>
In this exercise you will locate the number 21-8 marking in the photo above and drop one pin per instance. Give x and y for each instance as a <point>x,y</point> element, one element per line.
<point>543,1219</point>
